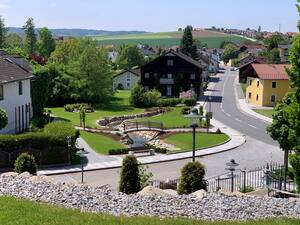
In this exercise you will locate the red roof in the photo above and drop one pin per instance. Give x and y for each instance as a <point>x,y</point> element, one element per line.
<point>271,71</point>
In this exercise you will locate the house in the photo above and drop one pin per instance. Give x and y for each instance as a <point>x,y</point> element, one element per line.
<point>147,51</point>
<point>173,72</point>
<point>15,95</point>
<point>126,79</point>
<point>245,64</point>
<point>267,84</point>
<point>112,56</point>
<point>284,51</point>
<point>211,58</point>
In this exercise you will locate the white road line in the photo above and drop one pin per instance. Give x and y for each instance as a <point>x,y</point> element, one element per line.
<point>238,120</point>
<point>227,114</point>
<point>252,126</point>
<point>222,110</point>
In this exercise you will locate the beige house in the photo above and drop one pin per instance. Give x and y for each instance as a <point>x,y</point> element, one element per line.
<point>126,79</point>
<point>284,51</point>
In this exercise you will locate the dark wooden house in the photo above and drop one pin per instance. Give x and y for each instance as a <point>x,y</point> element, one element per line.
<point>172,73</point>
<point>243,69</point>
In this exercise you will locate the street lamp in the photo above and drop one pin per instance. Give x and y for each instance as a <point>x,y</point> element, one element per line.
<point>194,116</point>
<point>231,167</point>
<point>81,153</point>
<point>210,100</point>
<point>69,142</point>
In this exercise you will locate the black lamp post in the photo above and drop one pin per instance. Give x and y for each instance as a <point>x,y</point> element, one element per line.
<point>69,142</point>
<point>194,116</point>
<point>231,167</point>
<point>210,100</point>
<point>81,153</point>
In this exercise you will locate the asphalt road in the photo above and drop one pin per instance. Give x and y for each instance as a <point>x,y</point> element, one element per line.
<point>258,150</point>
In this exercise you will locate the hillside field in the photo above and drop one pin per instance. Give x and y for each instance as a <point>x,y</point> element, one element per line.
<point>168,39</point>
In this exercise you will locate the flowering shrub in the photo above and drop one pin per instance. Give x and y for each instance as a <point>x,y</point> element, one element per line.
<point>187,94</point>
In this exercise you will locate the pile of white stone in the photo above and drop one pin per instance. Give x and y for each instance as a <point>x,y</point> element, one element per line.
<point>150,202</point>
<point>159,143</point>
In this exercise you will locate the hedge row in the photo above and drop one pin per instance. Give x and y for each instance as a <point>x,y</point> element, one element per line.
<point>77,106</point>
<point>53,135</point>
<point>122,151</point>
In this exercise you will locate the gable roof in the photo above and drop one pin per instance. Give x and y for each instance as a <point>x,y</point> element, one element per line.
<point>10,71</point>
<point>254,61</point>
<point>271,71</point>
<point>136,72</point>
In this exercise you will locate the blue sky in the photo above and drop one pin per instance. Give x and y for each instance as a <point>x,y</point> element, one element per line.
<point>152,15</point>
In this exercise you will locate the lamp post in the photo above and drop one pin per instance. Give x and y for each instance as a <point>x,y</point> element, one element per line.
<point>210,100</point>
<point>69,142</point>
<point>231,167</point>
<point>81,153</point>
<point>194,117</point>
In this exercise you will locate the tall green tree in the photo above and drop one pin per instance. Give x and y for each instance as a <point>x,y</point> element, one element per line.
<point>273,56</point>
<point>13,40</point>
<point>30,36</point>
<point>3,32</point>
<point>187,45</point>
<point>230,52</point>
<point>129,56</point>
<point>46,43</point>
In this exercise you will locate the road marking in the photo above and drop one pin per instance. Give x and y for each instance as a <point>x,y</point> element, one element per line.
<point>227,114</point>
<point>222,110</point>
<point>252,126</point>
<point>238,120</point>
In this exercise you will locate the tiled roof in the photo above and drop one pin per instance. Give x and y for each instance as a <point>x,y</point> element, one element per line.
<point>10,71</point>
<point>136,72</point>
<point>271,71</point>
<point>201,64</point>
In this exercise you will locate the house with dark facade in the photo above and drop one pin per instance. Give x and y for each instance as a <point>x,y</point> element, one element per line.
<point>172,73</point>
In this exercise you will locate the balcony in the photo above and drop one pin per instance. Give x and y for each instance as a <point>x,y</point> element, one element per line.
<point>166,81</point>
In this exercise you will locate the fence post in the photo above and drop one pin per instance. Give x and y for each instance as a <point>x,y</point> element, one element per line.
<point>232,181</point>
<point>244,177</point>
<point>218,184</point>
<point>267,174</point>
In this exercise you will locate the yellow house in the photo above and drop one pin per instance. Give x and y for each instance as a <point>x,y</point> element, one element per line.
<point>267,84</point>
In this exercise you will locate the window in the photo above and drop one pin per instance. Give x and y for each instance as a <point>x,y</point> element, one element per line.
<point>147,75</point>
<point>193,76</point>
<point>1,93</point>
<point>128,79</point>
<point>169,76</point>
<point>274,84</point>
<point>170,62</point>
<point>146,88</point>
<point>250,82</point>
<point>273,98</point>
<point>20,88</point>
<point>250,95</point>
<point>257,84</point>
<point>128,84</point>
<point>257,97</point>
<point>169,91</point>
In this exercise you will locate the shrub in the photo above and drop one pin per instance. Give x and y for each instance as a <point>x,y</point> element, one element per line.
<point>77,107</point>
<point>168,102</point>
<point>38,123</point>
<point>136,97</point>
<point>3,118</point>
<point>130,179</point>
<point>120,87</point>
<point>191,179</point>
<point>145,176</point>
<point>189,101</point>
<point>25,163</point>
<point>187,94</point>
<point>246,189</point>
<point>118,151</point>
<point>295,162</point>
<point>150,98</point>
<point>218,131</point>
<point>185,111</point>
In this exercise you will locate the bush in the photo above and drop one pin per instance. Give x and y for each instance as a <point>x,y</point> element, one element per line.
<point>38,123</point>
<point>25,163</point>
<point>168,102</point>
<point>218,131</point>
<point>3,118</point>
<point>246,189</point>
<point>145,176</point>
<point>191,179</point>
<point>120,87</point>
<point>189,101</point>
<point>76,107</point>
<point>118,151</point>
<point>130,178</point>
<point>150,98</point>
<point>136,97</point>
<point>185,111</point>
<point>295,162</point>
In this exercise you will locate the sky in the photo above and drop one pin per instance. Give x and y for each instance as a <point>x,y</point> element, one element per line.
<point>152,15</point>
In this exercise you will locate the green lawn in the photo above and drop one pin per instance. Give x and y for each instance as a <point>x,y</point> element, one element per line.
<point>203,140</point>
<point>22,212</point>
<point>172,119</point>
<point>119,105</point>
<point>265,112</point>
<point>244,87</point>
<point>101,143</point>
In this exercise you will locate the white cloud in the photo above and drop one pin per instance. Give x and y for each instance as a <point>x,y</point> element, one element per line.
<point>4,6</point>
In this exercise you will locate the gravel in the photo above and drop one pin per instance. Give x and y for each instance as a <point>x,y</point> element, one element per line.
<point>211,206</point>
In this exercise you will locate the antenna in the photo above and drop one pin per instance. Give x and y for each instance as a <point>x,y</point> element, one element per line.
<point>279,26</point>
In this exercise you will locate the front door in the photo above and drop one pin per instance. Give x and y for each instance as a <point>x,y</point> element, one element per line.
<point>169,91</point>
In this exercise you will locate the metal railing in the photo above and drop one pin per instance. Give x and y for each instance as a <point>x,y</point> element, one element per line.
<point>142,125</point>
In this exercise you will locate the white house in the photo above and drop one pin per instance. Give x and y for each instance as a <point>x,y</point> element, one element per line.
<point>15,95</point>
<point>126,80</point>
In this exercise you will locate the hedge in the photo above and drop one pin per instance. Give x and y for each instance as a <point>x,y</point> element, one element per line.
<point>122,151</point>
<point>53,135</point>
<point>168,102</point>
<point>189,101</point>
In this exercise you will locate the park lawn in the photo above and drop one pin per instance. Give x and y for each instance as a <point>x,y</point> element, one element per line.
<point>203,140</point>
<point>265,112</point>
<point>172,119</point>
<point>23,212</point>
<point>101,143</point>
<point>118,105</point>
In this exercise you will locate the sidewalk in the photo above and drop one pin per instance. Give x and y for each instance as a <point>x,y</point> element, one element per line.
<point>245,107</point>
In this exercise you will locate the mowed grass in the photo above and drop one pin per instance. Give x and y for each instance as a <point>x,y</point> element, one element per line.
<point>265,112</point>
<point>184,141</point>
<point>118,105</point>
<point>22,212</point>
<point>172,119</point>
<point>101,143</point>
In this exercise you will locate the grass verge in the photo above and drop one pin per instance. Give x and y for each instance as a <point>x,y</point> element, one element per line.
<point>22,212</point>
<point>265,112</point>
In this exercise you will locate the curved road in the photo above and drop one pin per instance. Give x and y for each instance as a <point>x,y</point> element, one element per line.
<point>258,150</point>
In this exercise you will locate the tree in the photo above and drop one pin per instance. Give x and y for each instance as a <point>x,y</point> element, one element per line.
<point>25,163</point>
<point>13,40</point>
<point>129,56</point>
<point>3,32</point>
<point>46,43</point>
<point>225,43</point>
<point>259,29</point>
<point>187,45</point>
<point>30,36</point>
<point>192,178</point>
<point>273,56</point>
<point>179,29</point>
<point>130,179</point>
<point>145,176</point>
<point>136,96</point>
<point>230,52</point>
<point>3,118</point>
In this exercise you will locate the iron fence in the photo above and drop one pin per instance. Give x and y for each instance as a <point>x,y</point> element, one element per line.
<point>142,125</point>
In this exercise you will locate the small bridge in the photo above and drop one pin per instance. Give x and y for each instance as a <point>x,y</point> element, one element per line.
<point>131,126</point>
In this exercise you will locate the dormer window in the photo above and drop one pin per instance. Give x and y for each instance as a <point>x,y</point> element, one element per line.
<point>147,75</point>
<point>20,88</point>
<point>1,93</point>
<point>170,62</point>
